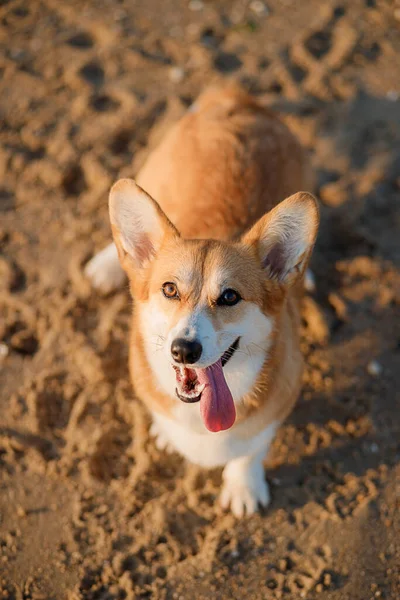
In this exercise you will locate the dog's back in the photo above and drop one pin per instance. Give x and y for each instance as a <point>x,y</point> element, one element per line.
<point>221,167</point>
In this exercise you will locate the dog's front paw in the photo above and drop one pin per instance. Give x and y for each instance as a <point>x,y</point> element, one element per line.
<point>244,487</point>
<point>104,271</point>
<point>243,499</point>
<point>160,440</point>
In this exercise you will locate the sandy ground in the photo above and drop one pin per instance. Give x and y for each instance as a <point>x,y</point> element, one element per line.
<point>89,508</point>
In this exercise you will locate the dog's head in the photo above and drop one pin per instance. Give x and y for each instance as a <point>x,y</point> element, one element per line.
<point>207,309</point>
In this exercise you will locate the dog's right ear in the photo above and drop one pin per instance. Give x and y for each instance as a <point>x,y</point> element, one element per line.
<point>138,224</point>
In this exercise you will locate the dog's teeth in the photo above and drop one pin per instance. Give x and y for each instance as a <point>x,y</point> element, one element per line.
<point>192,393</point>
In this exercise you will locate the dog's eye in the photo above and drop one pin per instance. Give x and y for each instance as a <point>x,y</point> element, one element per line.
<point>229,298</point>
<point>170,291</point>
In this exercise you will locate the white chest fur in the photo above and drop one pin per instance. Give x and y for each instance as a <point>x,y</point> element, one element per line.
<point>211,449</point>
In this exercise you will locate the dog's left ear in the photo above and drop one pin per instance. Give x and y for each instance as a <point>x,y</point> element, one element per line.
<point>138,224</point>
<point>283,239</point>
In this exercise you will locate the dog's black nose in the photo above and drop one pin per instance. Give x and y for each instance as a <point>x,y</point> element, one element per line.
<point>186,352</point>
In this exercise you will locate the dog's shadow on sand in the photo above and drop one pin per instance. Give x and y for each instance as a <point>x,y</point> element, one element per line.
<point>349,428</point>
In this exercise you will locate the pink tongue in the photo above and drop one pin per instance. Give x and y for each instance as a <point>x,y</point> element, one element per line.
<point>216,403</point>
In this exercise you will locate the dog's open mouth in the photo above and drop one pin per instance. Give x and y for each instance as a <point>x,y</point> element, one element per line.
<point>188,387</point>
<point>208,385</point>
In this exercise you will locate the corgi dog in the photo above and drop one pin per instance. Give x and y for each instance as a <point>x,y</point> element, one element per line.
<point>216,260</point>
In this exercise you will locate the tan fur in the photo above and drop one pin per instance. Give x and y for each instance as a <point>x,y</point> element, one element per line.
<point>218,171</point>
<point>220,168</point>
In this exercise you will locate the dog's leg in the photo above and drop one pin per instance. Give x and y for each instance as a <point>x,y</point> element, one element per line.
<point>244,485</point>
<point>160,439</point>
<point>104,271</point>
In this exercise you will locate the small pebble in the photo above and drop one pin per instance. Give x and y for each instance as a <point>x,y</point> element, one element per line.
<point>309,281</point>
<point>259,8</point>
<point>176,74</point>
<point>392,95</point>
<point>374,368</point>
<point>4,350</point>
